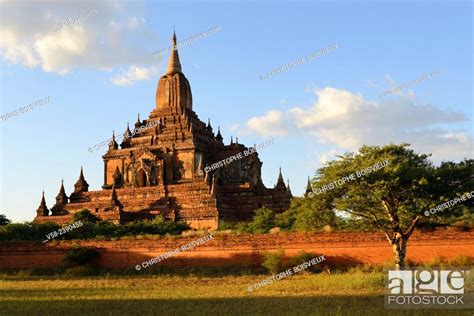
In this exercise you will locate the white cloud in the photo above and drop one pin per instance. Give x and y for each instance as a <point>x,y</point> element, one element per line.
<point>347,121</point>
<point>272,123</point>
<point>114,37</point>
<point>324,157</point>
<point>135,74</point>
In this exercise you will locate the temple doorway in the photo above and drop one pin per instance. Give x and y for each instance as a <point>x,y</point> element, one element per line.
<point>141,178</point>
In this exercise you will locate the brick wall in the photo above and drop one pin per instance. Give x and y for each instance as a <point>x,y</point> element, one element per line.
<point>244,250</point>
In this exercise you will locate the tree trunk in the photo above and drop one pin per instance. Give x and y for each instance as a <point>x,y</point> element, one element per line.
<point>399,245</point>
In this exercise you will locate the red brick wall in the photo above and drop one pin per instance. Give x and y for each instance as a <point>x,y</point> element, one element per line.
<point>244,250</point>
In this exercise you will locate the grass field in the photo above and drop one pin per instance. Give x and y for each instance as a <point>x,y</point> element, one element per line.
<point>354,293</point>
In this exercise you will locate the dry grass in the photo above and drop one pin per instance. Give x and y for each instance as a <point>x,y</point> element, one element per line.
<point>340,294</point>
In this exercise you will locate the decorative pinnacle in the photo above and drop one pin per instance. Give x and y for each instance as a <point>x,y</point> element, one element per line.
<point>280,179</point>
<point>43,201</point>
<point>174,64</point>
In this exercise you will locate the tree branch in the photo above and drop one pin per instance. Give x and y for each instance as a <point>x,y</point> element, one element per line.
<point>357,214</point>
<point>412,227</point>
<point>393,217</point>
<point>376,222</point>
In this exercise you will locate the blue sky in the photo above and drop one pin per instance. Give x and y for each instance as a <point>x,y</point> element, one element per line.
<point>313,111</point>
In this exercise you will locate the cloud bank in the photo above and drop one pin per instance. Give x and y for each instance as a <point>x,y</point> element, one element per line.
<point>347,121</point>
<point>34,35</point>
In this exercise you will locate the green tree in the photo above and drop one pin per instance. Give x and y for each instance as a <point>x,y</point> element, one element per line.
<point>306,214</point>
<point>4,220</point>
<point>392,198</point>
<point>451,181</point>
<point>262,222</point>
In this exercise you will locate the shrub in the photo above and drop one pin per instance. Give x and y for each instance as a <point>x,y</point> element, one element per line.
<point>263,221</point>
<point>273,262</point>
<point>302,257</point>
<point>85,216</point>
<point>461,261</point>
<point>80,256</point>
<point>89,229</point>
<point>27,231</point>
<point>4,220</point>
<point>223,225</point>
<point>436,262</point>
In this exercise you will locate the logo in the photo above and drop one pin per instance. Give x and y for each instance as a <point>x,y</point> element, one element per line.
<point>425,289</point>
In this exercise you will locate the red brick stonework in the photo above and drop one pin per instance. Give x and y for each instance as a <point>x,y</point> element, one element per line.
<point>244,250</point>
<point>159,169</point>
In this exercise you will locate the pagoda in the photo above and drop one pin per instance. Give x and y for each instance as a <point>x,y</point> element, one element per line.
<point>160,170</point>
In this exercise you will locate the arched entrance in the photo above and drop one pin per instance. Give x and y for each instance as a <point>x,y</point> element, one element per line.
<point>141,178</point>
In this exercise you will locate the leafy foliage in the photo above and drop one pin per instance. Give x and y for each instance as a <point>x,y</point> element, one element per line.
<point>393,198</point>
<point>273,261</point>
<point>85,216</point>
<point>263,221</point>
<point>80,256</point>
<point>4,220</point>
<point>306,215</point>
<point>302,257</point>
<point>31,231</point>
<point>27,231</point>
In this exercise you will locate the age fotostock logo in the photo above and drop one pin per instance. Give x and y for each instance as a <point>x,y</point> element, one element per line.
<point>425,289</point>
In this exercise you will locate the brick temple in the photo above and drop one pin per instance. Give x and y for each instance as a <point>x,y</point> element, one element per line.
<point>160,170</point>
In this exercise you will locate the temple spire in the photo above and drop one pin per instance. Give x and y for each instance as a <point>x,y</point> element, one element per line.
<point>219,136</point>
<point>128,129</point>
<point>280,182</point>
<point>61,201</point>
<point>138,123</point>
<point>209,126</point>
<point>61,189</point>
<point>42,209</point>
<point>126,137</point>
<point>280,177</point>
<point>174,65</point>
<point>43,201</point>
<point>81,185</point>
<point>113,144</point>
<point>309,189</point>
<point>114,201</point>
